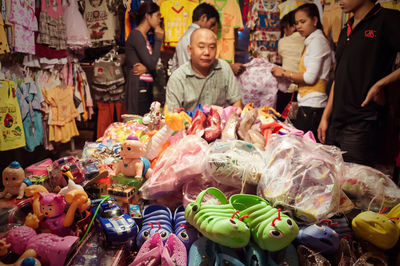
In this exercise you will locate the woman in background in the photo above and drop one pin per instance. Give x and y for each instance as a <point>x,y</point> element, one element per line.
<point>141,58</point>
<point>313,75</point>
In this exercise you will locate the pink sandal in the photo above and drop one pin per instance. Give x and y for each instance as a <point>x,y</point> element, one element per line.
<point>174,252</point>
<point>150,252</point>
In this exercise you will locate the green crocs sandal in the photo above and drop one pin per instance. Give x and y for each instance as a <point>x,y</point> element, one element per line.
<point>271,229</point>
<point>219,223</point>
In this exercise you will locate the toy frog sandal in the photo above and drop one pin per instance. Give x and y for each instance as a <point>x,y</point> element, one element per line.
<point>271,229</point>
<point>219,223</point>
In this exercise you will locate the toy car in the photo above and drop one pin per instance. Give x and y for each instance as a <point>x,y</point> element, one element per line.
<point>114,225</point>
<point>124,194</point>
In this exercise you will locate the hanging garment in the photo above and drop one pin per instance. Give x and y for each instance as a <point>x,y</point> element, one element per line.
<point>62,126</point>
<point>177,16</point>
<point>105,116</point>
<point>25,24</point>
<point>332,19</point>
<point>288,6</point>
<point>3,39</point>
<point>11,126</point>
<point>51,25</point>
<point>29,98</point>
<point>101,22</point>
<point>265,23</point>
<point>230,19</point>
<point>75,27</point>
<point>258,85</point>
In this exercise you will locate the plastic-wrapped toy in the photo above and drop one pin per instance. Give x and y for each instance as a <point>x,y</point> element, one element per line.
<point>14,181</point>
<point>235,163</point>
<point>302,176</point>
<point>132,164</point>
<point>50,249</point>
<point>380,229</point>
<point>369,188</point>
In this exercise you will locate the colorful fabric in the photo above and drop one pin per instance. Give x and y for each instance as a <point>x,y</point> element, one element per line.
<point>288,6</point>
<point>101,22</point>
<point>29,98</point>
<point>4,48</point>
<point>75,27</point>
<point>265,24</point>
<point>177,18</point>
<point>25,23</point>
<point>258,85</point>
<point>51,25</point>
<point>13,135</point>
<point>230,19</point>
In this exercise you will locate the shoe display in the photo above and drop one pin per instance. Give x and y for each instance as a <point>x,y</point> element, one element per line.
<point>270,229</point>
<point>183,230</point>
<point>150,252</point>
<point>156,219</point>
<point>219,223</point>
<point>174,252</point>
<point>319,238</point>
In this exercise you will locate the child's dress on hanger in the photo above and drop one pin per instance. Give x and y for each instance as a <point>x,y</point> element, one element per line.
<point>75,27</point>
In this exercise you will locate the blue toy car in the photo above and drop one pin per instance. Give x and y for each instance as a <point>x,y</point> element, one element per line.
<point>114,225</point>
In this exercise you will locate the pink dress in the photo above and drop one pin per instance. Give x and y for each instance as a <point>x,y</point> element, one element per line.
<point>75,27</point>
<point>23,16</point>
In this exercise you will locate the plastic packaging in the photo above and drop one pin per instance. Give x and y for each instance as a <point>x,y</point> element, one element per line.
<point>235,162</point>
<point>302,176</point>
<point>177,164</point>
<point>369,188</point>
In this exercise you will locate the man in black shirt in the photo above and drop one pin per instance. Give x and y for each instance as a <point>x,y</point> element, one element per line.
<point>365,54</point>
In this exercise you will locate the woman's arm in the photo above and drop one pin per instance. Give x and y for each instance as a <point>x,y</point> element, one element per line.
<point>138,43</point>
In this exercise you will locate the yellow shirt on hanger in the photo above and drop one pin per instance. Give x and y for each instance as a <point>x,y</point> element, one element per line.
<point>230,19</point>
<point>177,16</point>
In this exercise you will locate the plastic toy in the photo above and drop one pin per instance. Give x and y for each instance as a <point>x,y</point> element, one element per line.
<point>377,228</point>
<point>319,238</point>
<point>123,193</point>
<point>156,219</point>
<point>114,225</point>
<point>50,249</point>
<point>39,168</point>
<point>14,181</point>
<point>154,117</point>
<point>52,208</point>
<point>75,168</point>
<point>218,222</point>
<point>26,259</point>
<point>271,229</point>
<point>132,164</point>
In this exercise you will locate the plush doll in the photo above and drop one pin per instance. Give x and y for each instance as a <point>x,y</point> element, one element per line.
<point>132,164</point>
<point>14,181</point>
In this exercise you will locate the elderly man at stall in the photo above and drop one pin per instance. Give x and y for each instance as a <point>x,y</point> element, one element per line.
<point>204,79</point>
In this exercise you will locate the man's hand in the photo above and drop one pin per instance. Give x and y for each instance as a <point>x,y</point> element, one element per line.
<point>139,69</point>
<point>237,68</point>
<point>322,128</point>
<point>374,94</point>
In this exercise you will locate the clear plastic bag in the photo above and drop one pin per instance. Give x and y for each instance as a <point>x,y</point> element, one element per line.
<point>235,162</point>
<point>178,163</point>
<point>369,188</point>
<point>302,176</point>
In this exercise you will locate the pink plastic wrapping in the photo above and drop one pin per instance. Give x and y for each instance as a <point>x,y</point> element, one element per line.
<point>369,188</point>
<point>303,177</point>
<point>180,162</point>
<point>235,162</point>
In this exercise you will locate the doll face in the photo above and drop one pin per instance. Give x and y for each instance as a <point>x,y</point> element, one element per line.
<point>131,149</point>
<point>13,177</point>
<point>49,210</point>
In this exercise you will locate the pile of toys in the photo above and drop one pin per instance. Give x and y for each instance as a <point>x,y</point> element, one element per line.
<point>219,186</point>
